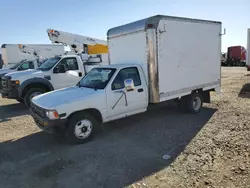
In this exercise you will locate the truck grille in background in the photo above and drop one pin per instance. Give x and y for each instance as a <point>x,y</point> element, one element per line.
<point>38,110</point>
<point>5,82</point>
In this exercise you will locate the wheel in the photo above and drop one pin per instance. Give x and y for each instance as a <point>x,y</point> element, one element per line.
<point>81,128</point>
<point>248,68</point>
<point>194,102</point>
<point>32,93</point>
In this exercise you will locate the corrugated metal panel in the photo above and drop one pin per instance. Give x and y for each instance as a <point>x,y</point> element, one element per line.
<point>141,24</point>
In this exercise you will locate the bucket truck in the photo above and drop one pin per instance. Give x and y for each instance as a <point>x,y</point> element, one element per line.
<point>34,59</point>
<point>14,53</point>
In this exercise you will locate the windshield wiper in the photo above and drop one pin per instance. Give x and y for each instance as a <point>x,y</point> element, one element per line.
<point>95,88</point>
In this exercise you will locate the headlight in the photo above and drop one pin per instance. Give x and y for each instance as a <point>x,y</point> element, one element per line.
<point>15,82</point>
<point>52,114</point>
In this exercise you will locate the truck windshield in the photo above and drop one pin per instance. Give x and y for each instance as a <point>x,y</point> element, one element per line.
<point>97,78</point>
<point>16,65</point>
<point>49,63</point>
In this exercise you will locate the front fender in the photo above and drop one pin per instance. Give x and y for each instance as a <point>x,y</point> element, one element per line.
<point>24,84</point>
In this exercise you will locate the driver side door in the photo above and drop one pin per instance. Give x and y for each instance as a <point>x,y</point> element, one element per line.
<point>122,103</point>
<point>61,79</point>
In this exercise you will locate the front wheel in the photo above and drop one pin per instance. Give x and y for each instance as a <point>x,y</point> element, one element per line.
<point>30,94</point>
<point>81,128</point>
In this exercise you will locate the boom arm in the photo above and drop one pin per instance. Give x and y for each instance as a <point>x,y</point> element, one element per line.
<point>78,43</point>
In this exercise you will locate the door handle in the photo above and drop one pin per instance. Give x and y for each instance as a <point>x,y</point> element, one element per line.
<point>140,90</point>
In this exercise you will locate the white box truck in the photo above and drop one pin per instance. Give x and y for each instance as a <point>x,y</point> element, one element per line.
<point>151,61</point>
<point>248,50</point>
<point>11,53</point>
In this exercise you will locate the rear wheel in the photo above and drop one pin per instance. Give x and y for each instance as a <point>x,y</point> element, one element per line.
<point>32,93</point>
<point>194,102</point>
<point>81,128</point>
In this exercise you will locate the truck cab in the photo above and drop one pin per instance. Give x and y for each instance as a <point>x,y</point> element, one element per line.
<point>55,73</point>
<point>106,93</point>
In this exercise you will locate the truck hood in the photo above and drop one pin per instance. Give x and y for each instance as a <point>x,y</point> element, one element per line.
<point>5,71</point>
<point>27,73</point>
<point>53,99</point>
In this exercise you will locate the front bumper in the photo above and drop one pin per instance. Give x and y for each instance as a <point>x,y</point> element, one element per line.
<point>47,125</point>
<point>7,89</point>
<point>9,93</point>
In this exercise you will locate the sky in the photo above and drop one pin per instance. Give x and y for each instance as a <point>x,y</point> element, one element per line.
<point>26,21</point>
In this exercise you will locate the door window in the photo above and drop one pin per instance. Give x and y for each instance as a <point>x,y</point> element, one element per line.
<point>127,73</point>
<point>27,65</point>
<point>69,64</point>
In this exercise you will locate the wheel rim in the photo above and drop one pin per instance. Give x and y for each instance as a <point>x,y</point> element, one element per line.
<point>83,129</point>
<point>35,94</point>
<point>196,103</point>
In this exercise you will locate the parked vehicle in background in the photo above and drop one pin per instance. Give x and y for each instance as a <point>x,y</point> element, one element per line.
<point>1,61</point>
<point>235,56</point>
<point>248,50</point>
<point>14,53</point>
<point>20,66</point>
<point>55,73</point>
<point>153,60</point>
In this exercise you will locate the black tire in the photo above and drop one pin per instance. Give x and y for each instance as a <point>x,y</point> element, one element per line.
<point>248,68</point>
<point>74,121</point>
<point>191,100</point>
<point>28,95</point>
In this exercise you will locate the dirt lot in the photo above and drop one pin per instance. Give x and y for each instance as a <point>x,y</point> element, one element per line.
<point>211,149</point>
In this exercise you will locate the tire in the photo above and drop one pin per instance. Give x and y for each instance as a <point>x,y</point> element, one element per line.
<point>248,68</point>
<point>81,128</point>
<point>32,93</point>
<point>194,102</point>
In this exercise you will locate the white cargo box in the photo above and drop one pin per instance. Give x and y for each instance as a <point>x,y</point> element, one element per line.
<point>178,55</point>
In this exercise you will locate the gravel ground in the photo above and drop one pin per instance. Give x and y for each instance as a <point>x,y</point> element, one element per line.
<point>207,150</point>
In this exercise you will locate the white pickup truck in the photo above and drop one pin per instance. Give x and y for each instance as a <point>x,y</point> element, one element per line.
<point>21,66</point>
<point>153,60</point>
<point>55,73</point>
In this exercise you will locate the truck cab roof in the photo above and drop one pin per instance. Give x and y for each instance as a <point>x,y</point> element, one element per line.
<point>120,66</point>
<point>70,55</point>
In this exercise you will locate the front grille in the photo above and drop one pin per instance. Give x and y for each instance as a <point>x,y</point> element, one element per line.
<point>38,110</point>
<point>5,82</point>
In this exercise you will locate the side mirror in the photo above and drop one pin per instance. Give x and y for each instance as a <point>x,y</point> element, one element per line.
<point>129,84</point>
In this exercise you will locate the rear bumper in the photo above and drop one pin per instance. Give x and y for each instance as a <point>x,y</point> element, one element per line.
<point>50,126</point>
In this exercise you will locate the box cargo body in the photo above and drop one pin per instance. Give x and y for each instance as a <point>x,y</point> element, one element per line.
<point>248,50</point>
<point>11,54</point>
<point>178,55</point>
